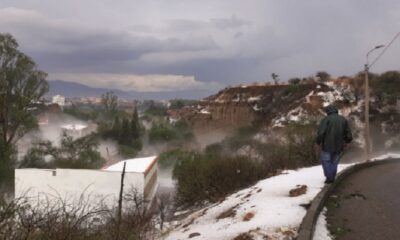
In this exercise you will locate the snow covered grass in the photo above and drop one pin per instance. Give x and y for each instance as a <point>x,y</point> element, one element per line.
<point>321,230</point>
<point>388,155</point>
<point>265,209</point>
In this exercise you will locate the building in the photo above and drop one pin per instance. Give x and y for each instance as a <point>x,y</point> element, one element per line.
<point>58,99</point>
<point>42,119</point>
<point>76,130</point>
<point>102,185</point>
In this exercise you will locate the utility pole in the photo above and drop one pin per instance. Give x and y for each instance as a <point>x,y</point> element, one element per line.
<point>366,113</point>
<point>366,69</point>
<point>121,192</point>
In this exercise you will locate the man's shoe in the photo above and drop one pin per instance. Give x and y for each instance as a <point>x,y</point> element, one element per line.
<point>328,181</point>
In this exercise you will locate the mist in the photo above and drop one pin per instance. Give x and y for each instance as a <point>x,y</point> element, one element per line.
<point>51,131</point>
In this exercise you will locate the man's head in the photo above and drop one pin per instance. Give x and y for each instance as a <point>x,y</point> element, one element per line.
<point>331,109</point>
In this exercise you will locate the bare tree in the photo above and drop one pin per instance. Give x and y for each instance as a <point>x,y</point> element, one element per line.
<point>275,77</point>
<point>109,101</point>
<point>164,202</point>
<point>52,216</point>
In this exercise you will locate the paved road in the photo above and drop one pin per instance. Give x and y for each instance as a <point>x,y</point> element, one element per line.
<point>366,205</point>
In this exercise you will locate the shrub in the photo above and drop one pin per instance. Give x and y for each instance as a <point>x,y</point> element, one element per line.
<point>294,81</point>
<point>215,174</point>
<point>58,218</point>
<point>161,133</point>
<point>169,158</point>
<point>209,177</point>
<point>215,148</point>
<point>164,132</point>
<point>290,89</point>
<point>387,86</point>
<point>72,153</point>
<point>177,104</point>
<point>323,76</point>
<point>127,151</point>
<point>156,111</point>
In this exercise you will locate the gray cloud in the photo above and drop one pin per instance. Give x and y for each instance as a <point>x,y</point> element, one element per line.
<point>228,41</point>
<point>62,45</point>
<point>226,23</point>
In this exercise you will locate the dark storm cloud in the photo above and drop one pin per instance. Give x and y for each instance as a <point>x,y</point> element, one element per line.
<point>225,23</point>
<point>184,25</point>
<point>211,69</point>
<point>225,41</point>
<point>111,53</point>
<point>58,46</point>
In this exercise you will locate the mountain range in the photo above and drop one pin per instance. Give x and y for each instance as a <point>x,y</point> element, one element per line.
<point>73,89</point>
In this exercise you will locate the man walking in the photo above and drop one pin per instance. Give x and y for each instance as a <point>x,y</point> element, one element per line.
<point>333,135</point>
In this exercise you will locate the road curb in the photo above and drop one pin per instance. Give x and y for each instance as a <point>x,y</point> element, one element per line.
<point>307,227</point>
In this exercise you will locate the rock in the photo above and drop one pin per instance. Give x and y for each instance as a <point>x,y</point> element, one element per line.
<point>300,190</point>
<point>248,216</point>
<point>231,212</point>
<point>192,235</point>
<point>243,236</point>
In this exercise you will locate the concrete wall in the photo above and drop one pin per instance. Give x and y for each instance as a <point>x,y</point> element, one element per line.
<point>150,183</point>
<point>71,183</point>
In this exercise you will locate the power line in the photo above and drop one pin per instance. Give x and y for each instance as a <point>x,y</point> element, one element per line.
<point>384,50</point>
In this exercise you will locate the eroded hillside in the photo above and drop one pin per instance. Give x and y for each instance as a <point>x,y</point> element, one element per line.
<point>274,106</point>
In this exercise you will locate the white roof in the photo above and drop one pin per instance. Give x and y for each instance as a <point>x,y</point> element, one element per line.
<point>132,165</point>
<point>74,126</point>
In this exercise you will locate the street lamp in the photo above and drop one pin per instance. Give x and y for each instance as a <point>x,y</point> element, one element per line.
<point>366,116</point>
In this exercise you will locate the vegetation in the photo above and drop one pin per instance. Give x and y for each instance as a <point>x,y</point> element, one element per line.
<point>208,177</point>
<point>58,218</point>
<point>155,110</point>
<point>109,101</point>
<point>168,159</point>
<point>291,89</point>
<point>164,132</point>
<point>296,151</point>
<point>176,104</point>
<point>275,77</point>
<point>127,133</point>
<point>84,112</point>
<point>294,81</point>
<point>21,85</point>
<point>240,160</point>
<point>80,153</point>
<point>387,86</point>
<point>323,76</point>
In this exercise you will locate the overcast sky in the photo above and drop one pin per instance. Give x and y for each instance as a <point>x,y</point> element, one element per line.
<point>182,45</point>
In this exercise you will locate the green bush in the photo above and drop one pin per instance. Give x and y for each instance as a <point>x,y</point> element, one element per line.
<point>127,151</point>
<point>215,148</point>
<point>169,158</point>
<point>160,133</point>
<point>164,132</point>
<point>156,111</point>
<point>294,150</point>
<point>72,153</point>
<point>291,89</point>
<point>209,177</point>
<point>215,174</point>
<point>387,86</point>
<point>126,132</point>
<point>177,104</point>
<point>81,112</point>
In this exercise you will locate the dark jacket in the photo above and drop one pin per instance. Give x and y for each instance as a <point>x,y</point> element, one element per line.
<point>333,132</point>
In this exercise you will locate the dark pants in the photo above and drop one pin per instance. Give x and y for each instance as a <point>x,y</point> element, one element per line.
<point>330,163</point>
